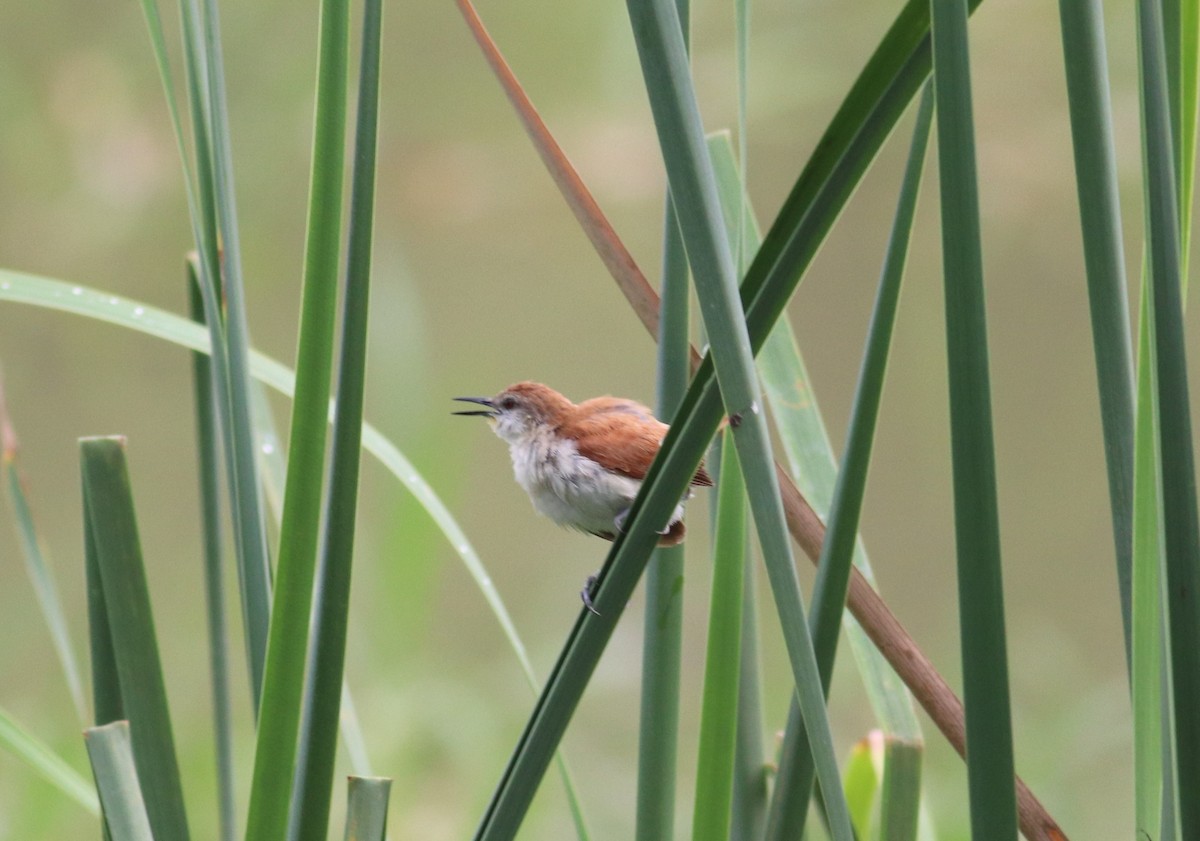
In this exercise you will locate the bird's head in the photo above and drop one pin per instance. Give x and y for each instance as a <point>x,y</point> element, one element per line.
<point>521,410</point>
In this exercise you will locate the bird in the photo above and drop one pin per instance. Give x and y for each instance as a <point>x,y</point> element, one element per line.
<point>581,464</point>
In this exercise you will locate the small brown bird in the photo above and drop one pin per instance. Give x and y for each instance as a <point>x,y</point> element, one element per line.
<point>582,465</point>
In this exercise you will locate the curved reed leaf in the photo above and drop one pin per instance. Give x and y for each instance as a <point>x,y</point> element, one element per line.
<point>17,287</point>
<point>41,575</point>
<point>32,290</point>
<point>33,751</point>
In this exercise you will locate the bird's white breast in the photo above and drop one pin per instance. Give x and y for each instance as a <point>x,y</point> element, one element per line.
<point>567,487</point>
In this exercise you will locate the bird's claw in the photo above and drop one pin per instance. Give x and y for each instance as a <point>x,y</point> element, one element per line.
<point>586,595</point>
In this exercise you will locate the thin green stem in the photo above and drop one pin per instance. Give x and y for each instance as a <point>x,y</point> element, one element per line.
<point>715,764</point>
<point>789,805</point>
<point>207,447</point>
<point>693,186</point>
<point>658,737</point>
<point>318,736</point>
<point>287,650</point>
<point>1103,251</point>
<point>1181,526</point>
<point>990,765</point>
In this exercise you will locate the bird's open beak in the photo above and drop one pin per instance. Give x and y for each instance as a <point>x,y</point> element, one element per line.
<point>482,401</point>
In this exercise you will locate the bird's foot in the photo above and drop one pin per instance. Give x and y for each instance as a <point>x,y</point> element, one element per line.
<point>586,595</point>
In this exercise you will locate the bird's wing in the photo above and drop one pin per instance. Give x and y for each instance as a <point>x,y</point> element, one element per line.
<point>624,436</point>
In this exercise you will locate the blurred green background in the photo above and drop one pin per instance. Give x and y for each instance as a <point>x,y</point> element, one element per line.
<point>482,278</point>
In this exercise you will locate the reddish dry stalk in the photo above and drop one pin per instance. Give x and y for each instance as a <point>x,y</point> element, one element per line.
<point>608,245</point>
<point>877,620</point>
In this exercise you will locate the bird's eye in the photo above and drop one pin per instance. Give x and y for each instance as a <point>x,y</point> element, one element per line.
<point>508,403</point>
